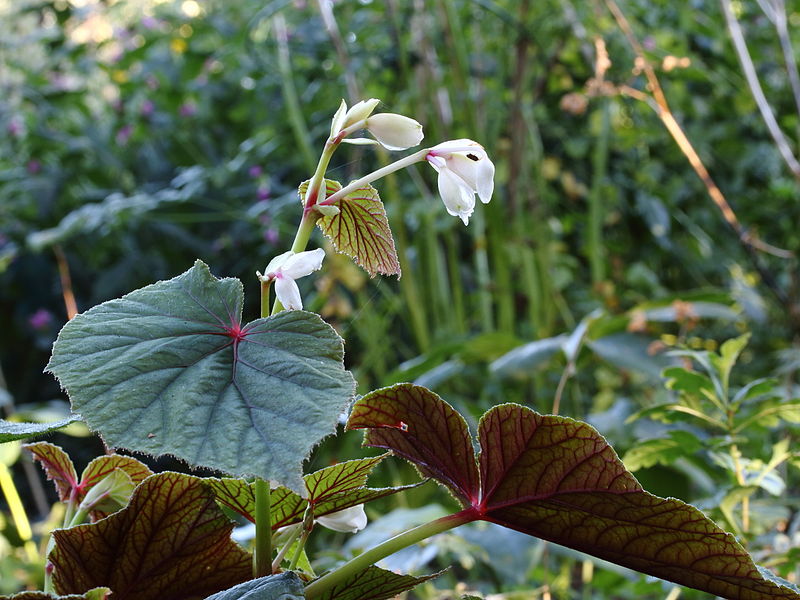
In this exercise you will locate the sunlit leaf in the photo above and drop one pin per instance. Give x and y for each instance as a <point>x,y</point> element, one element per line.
<point>102,466</point>
<point>57,466</point>
<point>10,431</point>
<point>662,451</point>
<point>170,369</point>
<point>373,583</point>
<point>171,542</point>
<point>558,479</point>
<point>360,229</point>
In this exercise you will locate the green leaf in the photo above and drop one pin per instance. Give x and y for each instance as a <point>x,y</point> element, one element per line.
<point>360,229</point>
<point>170,369</point>
<point>630,352</point>
<point>285,586</point>
<point>10,431</point>
<point>330,490</point>
<point>171,542</point>
<point>728,355</point>
<point>521,361</point>
<point>101,467</point>
<point>93,594</point>
<point>558,479</point>
<point>374,583</point>
<point>769,414</point>
<point>663,451</point>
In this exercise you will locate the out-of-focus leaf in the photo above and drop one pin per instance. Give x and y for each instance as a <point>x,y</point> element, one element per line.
<point>10,431</point>
<point>559,480</point>
<point>769,414</point>
<point>662,451</point>
<point>170,543</point>
<point>631,352</point>
<point>170,369</point>
<point>284,586</point>
<point>521,361</point>
<point>93,594</point>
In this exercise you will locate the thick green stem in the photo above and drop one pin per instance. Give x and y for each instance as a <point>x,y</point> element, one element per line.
<point>370,557</point>
<point>262,559</point>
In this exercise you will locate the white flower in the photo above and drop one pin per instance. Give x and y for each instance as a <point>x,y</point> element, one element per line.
<point>395,132</point>
<point>348,520</point>
<point>358,112</point>
<point>464,170</point>
<point>287,267</point>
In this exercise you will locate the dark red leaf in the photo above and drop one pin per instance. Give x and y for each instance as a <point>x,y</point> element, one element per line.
<point>374,583</point>
<point>558,479</point>
<point>416,424</point>
<point>102,466</point>
<point>171,542</point>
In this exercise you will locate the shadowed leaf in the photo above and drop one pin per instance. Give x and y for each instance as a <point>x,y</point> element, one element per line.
<point>102,466</point>
<point>286,586</point>
<point>170,369</point>
<point>171,542</point>
<point>360,229</point>
<point>558,479</point>
<point>374,583</point>
<point>10,431</point>
<point>95,594</point>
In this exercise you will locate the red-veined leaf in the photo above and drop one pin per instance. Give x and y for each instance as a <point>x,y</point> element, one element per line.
<point>171,542</point>
<point>374,583</point>
<point>57,466</point>
<point>558,479</point>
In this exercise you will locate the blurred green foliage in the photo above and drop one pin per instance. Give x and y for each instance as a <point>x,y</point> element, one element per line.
<point>138,136</point>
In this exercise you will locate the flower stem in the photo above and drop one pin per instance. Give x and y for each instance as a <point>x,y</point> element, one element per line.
<point>317,588</point>
<point>262,560</point>
<point>382,172</point>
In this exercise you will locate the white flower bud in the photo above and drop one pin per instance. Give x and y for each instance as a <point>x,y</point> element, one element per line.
<point>348,520</point>
<point>395,132</point>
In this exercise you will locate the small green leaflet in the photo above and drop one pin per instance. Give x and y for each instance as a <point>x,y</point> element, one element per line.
<point>360,229</point>
<point>170,369</point>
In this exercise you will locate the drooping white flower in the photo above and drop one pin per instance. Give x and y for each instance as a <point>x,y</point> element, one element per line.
<point>395,132</point>
<point>348,520</point>
<point>464,169</point>
<point>285,268</point>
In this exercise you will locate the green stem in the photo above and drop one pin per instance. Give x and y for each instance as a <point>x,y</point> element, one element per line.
<point>298,528</point>
<point>262,560</point>
<point>317,588</point>
<point>382,172</point>
<point>299,550</point>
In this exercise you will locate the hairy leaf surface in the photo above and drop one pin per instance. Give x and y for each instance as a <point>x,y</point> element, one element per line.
<point>285,586</point>
<point>11,431</point>
<point>170,369</point>
<point>171,542</point>
<point>558,479</point>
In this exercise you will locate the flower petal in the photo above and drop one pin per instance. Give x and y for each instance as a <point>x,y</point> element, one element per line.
<point>338,119</point>
<point>276,263</point>
<point>303,263</point>
<point>348,520</point>
<point>288,293</point>
<point>360,111</point>
<point>458,198</point>
<point>485,179</point>
<point>395,132</point>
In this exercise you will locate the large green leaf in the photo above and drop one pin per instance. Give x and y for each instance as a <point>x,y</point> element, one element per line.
<point>171,542</point>
<point>285,586</point>
<point>558,479</point>
<point>11,431</point>
<point>170,369</point>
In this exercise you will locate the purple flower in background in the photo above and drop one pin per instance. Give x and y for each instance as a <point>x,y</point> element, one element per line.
<point>649,43</point>
<point>271,235</point>
<point>15,127</point>
<point>33,166</point>
<point>187,109</point>
<point>124,134</point>
<point>41,319</point>
<point>150,22</point>
<point>147,108</point>
<point>255,171</point>
<point>262,193</point>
